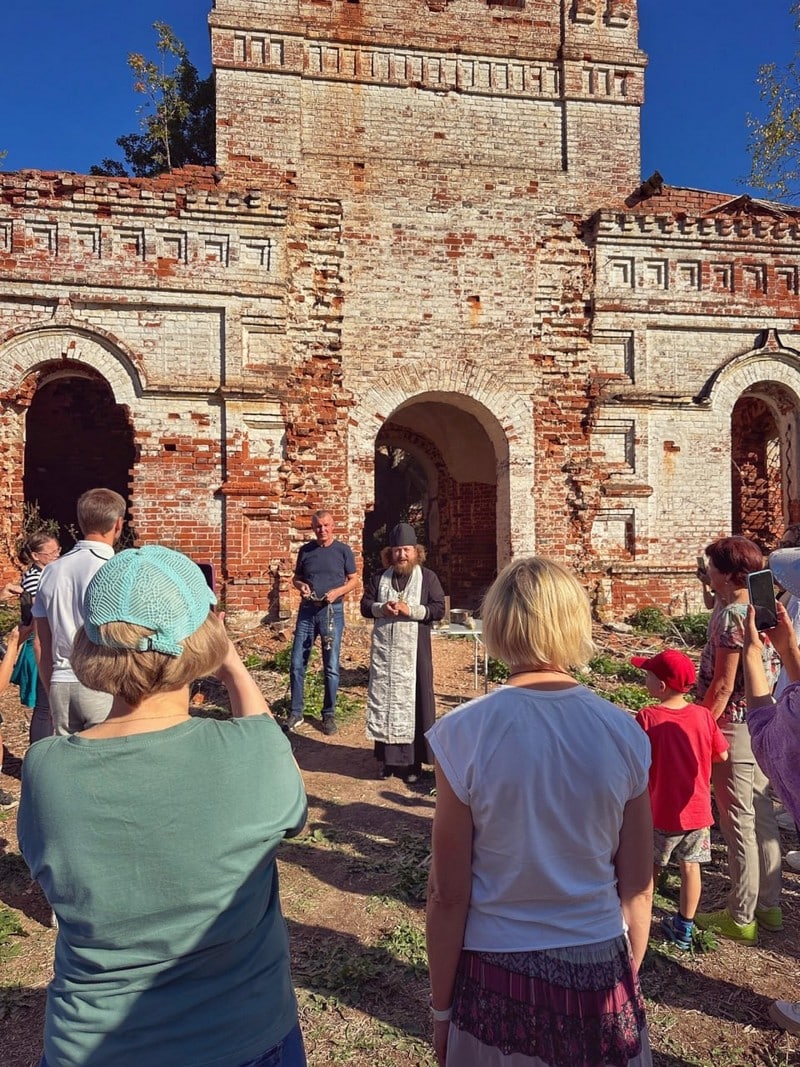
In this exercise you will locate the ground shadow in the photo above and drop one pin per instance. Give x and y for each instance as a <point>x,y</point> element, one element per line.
<point>372,978</point>
<point>18,890</point>
<point>21,1025</point>
<point>668,981</point>
<point>11,763</point>
<point>366,849</point>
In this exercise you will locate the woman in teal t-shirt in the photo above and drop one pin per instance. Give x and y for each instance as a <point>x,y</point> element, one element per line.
<point>153,835</point>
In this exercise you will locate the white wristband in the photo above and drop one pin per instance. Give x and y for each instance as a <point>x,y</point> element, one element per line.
<point>443,1016</point>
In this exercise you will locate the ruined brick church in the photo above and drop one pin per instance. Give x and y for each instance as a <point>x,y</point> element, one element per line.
<point>425,277</point>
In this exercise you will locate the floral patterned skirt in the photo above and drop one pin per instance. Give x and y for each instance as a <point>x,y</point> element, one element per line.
<point>567,1007</point>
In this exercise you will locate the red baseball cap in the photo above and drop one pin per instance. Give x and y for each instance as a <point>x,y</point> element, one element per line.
<point>673,668</point>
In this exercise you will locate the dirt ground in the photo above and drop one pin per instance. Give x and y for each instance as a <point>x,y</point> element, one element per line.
<point>353,889</point>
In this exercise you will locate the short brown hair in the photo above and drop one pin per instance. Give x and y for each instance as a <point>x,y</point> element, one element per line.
<point>99,509</point>
<point>736,557</point>
<point>537,614</point>
<point>134,675</point>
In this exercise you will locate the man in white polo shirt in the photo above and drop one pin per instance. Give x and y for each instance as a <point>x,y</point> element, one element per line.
<point>58,611</point>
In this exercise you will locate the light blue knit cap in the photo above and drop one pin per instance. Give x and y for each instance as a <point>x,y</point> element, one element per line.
<point>154,587</point>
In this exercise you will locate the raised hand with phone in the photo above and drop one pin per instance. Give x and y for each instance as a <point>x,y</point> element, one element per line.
<point>761,592</point>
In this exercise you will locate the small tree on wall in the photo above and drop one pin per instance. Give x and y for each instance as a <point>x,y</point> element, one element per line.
<point>774,142</point>
<point>177,119</point>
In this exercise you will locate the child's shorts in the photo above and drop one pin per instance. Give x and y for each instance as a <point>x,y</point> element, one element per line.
<point>691,846</point>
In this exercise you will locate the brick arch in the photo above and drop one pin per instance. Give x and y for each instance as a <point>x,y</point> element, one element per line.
<point>758,396</point>
<point>781,367</point>
<point>71,347</point>
<point>505,417</point>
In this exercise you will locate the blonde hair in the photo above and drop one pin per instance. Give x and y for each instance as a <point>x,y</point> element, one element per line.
<point>537,614</point>
<point>134,675</point>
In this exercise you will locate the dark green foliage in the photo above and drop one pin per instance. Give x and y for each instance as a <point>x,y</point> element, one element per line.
<point>181,127</point>
<point>650,621</point>
<point>497,670</point>
<point>693,628</point>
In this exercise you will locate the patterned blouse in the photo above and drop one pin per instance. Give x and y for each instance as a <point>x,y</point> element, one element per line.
<point>726,630</point>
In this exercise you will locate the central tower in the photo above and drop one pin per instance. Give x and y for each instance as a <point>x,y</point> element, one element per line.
<point>549,87</point>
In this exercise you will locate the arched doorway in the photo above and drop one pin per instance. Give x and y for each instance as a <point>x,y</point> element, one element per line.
<point>761,438</point>
<point>436,465</point>
<point>76,437</point>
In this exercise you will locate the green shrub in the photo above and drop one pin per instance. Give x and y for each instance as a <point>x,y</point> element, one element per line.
<point>282,660</point>
<point>650,621</point>
<point>497,670</point>
<point>630,697</point>
<point>611,667</point>
<point>693,628</point>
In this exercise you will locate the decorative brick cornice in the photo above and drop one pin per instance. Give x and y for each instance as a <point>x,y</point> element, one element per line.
<point>387,65</point>
<point>621,226</point>
<point>191,190</point>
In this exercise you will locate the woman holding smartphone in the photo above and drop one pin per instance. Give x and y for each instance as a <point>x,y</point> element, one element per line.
<point>154,836</point>
<point>746,815</point>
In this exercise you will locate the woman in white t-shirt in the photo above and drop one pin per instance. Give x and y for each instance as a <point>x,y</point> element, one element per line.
<point>540,891</point>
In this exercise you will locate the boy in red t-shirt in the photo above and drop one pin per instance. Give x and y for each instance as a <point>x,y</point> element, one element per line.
<point>685,740</point>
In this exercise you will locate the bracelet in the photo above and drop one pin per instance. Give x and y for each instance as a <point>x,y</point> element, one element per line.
<point>442,1016</point>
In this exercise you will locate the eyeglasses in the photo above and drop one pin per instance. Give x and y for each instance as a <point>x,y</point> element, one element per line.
<point>47,557</point>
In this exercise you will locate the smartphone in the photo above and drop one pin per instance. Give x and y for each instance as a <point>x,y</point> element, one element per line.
<point>26,609</point>
<point>761,589</point>
<point>208,574</point>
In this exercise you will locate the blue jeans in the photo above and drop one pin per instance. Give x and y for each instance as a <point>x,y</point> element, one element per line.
<point>287,1053</point>
<point>325,622</point>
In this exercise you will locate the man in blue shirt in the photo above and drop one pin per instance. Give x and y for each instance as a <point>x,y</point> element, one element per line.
<point>324,574</point>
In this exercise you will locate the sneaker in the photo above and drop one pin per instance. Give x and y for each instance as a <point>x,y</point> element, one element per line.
<point>723,922</point>
<point>677,931</point>
<point>294,722</point>
<point>786,1015</point>
<point>793,859</point>
<point>8,800</point>
<point>770,918</point>
<point>329,727</point>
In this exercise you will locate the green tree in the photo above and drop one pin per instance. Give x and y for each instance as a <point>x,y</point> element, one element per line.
<point>774,142</point>
<point>177,119</point>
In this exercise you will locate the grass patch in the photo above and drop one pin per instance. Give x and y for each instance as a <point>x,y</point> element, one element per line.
<point>612,667</point>
<point>10,930</point>
<point>406,942</point>
<point>347,707</point>
<point>650,621</point>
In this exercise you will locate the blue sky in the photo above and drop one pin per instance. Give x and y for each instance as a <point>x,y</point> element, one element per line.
<point>66,87</point>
